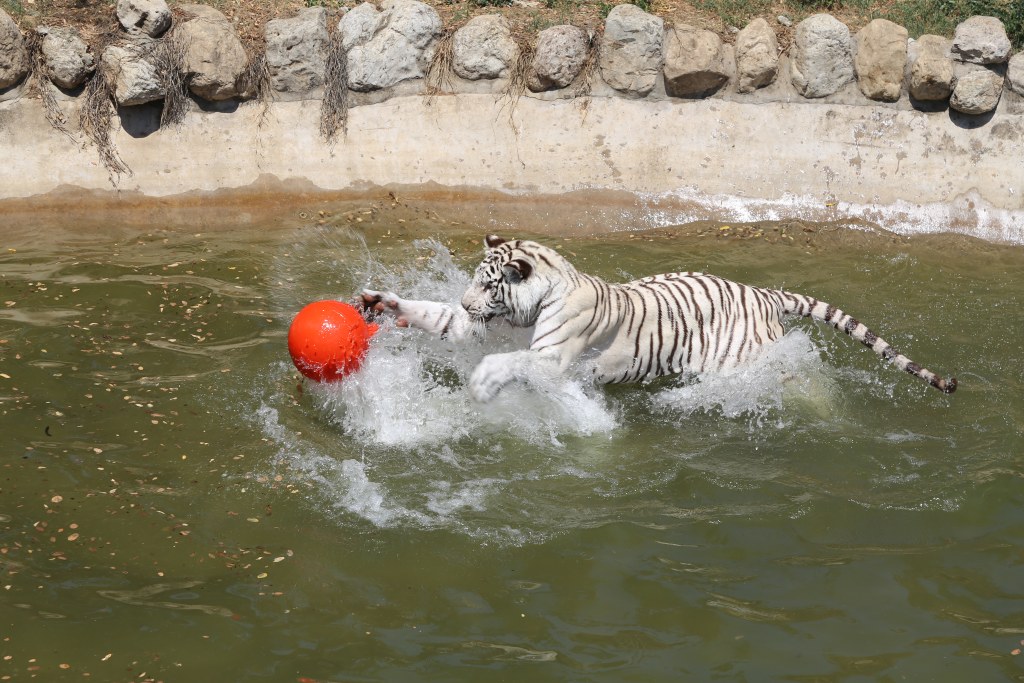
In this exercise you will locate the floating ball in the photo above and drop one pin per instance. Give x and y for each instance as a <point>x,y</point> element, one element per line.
<point>328,339</point>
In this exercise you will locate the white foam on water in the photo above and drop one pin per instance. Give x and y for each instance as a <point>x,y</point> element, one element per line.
<point>967,213</point>
<point>411,392</point>
<point>789,372</point>
<point>420,488</point>
<point>344,483</point>
<point>448,497</point>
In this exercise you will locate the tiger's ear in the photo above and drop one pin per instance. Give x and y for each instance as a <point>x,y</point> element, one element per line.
<point>517,270</point>
<point>493,241</point>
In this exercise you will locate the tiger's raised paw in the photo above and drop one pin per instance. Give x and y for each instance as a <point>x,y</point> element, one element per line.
<point>372,304</point>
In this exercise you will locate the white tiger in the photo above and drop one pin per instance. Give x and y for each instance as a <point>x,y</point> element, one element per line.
<point>655,326</point>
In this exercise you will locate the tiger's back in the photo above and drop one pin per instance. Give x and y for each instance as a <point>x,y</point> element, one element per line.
<point>679,322</point>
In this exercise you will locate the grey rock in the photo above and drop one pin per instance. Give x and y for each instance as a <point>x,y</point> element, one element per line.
<point>931,70</point>
<point>695,62</point>
<point>297,51</point>
<point>981,40</point>
<point>881,60</point>
<point>214,56</point>
<point>484,48</point>
<point>631,50</point>
<point>13,53</point>
<point>1015,73</point>
<point>132,75</point>
<point>784,20</point>
<point>559,57</point>
<point>358,25</point>
<point>399,47</point>
<point>976,89</point>
<point>67,59</point>
<point>757,56</point>
<point>144,17</point>
<point>821,58</point>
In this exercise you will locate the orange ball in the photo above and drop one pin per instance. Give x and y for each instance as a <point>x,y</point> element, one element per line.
<point>328,339</point>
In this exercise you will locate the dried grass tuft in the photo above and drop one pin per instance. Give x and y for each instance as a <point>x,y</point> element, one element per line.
<point>585,79</point>
<point>254,82</point>
<point>439,73</point>
<point>334,106</point>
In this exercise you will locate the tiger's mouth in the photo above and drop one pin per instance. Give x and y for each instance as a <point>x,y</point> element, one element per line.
<point>480,314</point>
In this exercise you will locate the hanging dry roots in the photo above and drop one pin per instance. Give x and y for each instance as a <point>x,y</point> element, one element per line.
<point>40,85</point>
<point>96,115</point>
<point>96,119</point>
<point>519,76</point>
<point>168,59</point>
<point>334,106</point>
<point>254,83</point>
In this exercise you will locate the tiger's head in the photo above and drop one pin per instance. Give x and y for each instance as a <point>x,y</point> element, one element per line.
<point>512,281</point>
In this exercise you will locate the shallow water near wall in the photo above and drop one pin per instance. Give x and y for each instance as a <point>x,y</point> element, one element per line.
<point>177,505</point>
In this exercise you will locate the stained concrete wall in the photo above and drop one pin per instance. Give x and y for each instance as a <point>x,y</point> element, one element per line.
<point>906,170</point>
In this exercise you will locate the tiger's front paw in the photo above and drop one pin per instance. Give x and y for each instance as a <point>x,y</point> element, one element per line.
<point>373,303</point>
<point>489,377</point>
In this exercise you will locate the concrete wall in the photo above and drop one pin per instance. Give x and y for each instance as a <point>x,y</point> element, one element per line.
<point>644,163</point>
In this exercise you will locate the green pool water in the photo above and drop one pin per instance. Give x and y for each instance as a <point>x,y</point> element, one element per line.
<point>176,505</point>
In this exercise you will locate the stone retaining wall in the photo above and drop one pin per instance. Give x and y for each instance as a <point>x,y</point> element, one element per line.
<point>923,134</point>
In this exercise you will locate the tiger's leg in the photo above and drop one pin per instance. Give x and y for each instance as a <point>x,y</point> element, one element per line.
<point>499,369</point>
<point>430,316</point>
<point>613,365</point>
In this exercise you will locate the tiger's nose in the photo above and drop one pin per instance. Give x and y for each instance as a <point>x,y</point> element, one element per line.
<point>473,298</point>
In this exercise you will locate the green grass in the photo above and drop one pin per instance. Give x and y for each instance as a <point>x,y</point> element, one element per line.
<point>940,17</point>
<point>1011,12</point>
<point>605,7</point>
<point>919,17</point>
<point>814,6</point>
<point>736,13</point>
<point>13,7</point>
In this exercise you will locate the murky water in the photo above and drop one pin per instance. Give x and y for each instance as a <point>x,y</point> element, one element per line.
<point>175,505</point>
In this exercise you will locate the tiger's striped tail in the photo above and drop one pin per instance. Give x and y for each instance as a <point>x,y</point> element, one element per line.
<point>809,307</point>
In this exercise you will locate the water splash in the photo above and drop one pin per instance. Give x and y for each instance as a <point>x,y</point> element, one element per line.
<point>788,374</point>
<point>408,396</point>
<point>342,483</point>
